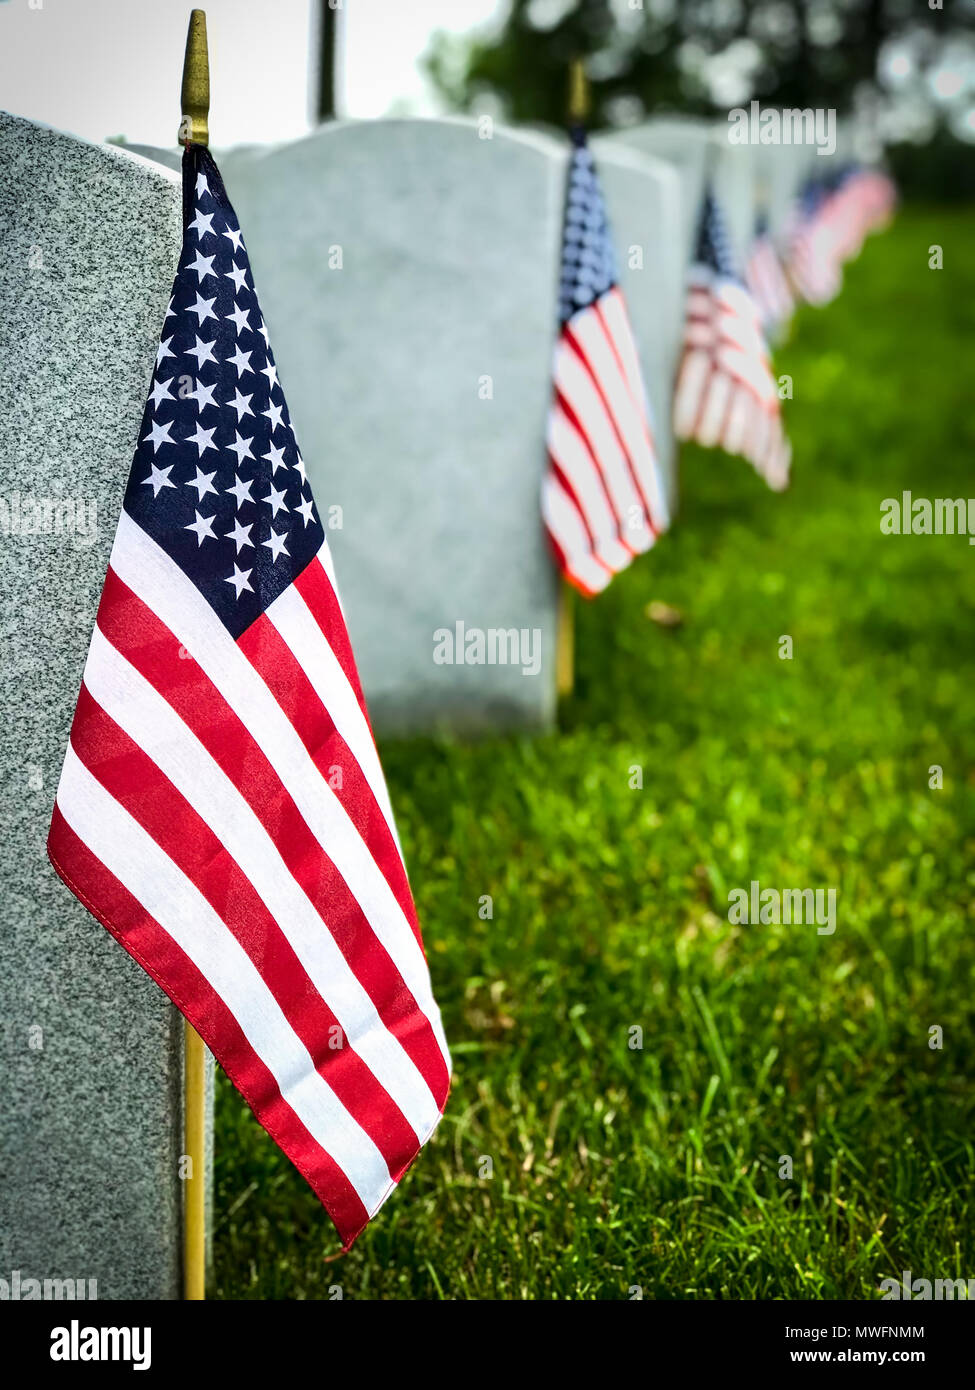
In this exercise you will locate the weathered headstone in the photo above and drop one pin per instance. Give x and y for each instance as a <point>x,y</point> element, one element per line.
<point>408,273</point>
<point>90,1102</point>
<point>698,149</point>
<point>643,196</point>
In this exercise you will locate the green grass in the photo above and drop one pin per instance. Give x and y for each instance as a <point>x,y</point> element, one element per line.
<point>659,1167</point>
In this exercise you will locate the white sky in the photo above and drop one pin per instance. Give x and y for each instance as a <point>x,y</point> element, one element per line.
<point>109,67</point>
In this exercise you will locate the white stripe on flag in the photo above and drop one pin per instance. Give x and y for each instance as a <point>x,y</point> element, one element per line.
<point>754,374</point>
<point>691,383</point>
<point>739,420</point>
<point>572,456</point>
<point>605,367</point>
<point>312,651</point>
<point>574,382</point>
<point>715,404</point>
<point>613,309</point>
<point>562,518</point>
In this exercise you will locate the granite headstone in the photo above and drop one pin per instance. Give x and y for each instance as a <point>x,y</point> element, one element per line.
<point>91,1097</point>
<point>699,149</point>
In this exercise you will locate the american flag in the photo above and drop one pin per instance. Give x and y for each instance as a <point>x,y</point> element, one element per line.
<point>873,194</point>
<point>603,496</point>
<point>830,222</point>
<point>853,203</point>
<point>814,261</point>
<point>766,279</point>
<point>725,393</point>
<point>222,809</point>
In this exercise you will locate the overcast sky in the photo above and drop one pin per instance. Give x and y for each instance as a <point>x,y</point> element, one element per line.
<point>109,67</point>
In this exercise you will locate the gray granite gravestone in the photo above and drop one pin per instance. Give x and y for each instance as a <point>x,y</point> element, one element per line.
<point>91,1091</point>
<point>408,274</point>
<point>643,197</point>
<point>697,148</point>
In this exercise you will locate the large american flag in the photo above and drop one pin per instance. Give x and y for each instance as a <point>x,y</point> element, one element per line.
<point>725,394</point>
<point>222,809</point>
<point>603,496</point>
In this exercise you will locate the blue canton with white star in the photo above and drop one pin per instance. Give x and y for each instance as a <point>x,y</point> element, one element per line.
<point>588,259</point>
<point>217,479</point>
<point>713,242</point>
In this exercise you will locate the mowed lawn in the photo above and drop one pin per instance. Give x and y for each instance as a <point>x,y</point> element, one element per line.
<point>572,1165</point>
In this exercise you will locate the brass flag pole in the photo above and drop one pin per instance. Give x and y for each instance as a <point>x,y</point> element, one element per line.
<point>578,111</point>
<point>193,130</point>
<point>579,96</point>
<point>194,95</point>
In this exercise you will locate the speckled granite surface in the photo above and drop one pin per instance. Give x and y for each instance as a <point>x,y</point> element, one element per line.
<point>90,1048</point>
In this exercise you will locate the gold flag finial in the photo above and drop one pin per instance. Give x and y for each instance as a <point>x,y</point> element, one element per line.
<point>195,92</point>
<point>578,92</point>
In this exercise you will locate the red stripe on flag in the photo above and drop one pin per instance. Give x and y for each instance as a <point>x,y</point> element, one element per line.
<point>638,404</point>
<point>315,587</point>
<point>569,491</point>
<point>575,420</point>
<point>275,663</point>
<point>577,348</point>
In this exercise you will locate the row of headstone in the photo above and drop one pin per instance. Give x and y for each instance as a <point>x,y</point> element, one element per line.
<point>408,273</point>
<point>746,178</point>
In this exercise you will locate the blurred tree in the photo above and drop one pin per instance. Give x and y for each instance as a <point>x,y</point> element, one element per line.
<point>694,55</point>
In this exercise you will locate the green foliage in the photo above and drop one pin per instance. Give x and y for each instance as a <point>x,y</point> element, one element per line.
<point>659,1167</point>
<point>942,169</point>
<point>653,54</point>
